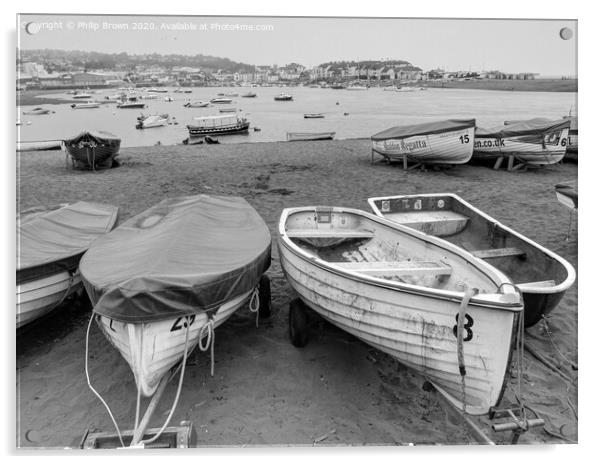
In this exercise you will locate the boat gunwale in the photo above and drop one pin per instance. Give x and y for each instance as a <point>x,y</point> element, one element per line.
<point>481,265</point>
<point>570,270</point>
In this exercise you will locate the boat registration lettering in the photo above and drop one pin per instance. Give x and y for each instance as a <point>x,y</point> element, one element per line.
<point>182,322</point>
<point>385,206</point>
<point>418,204</point>
<point>467,327</point>
<point>440,204</point>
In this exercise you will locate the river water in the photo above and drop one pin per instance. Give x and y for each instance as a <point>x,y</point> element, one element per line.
<point>368,112</point>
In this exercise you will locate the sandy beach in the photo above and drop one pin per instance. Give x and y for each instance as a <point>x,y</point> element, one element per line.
<point>337,390</point>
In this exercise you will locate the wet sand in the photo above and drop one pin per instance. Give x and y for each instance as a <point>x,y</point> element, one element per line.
<point>337,390</point>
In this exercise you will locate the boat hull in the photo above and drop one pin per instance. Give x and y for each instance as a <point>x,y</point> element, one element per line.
<point>38,297</point>
<point>196,131</point>
<point>527,149</point>
<point>541,274</point>
<point>305,136</point>
<point>451,147</point>
<point>152,349</point>
<point>412,324</point>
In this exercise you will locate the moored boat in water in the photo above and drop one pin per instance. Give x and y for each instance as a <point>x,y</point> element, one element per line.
<point>313,115</point>
<point>301,136</point>
<point>196,104</point>
<point>153,120</point>
<point>215,125</point>
<point>93,150</point>
<point>249,95</point>
<point>535,142</point>
<point>37,111</point>
<point>441,142</point>
<point>81,106</point>
<point>283,97</point>
<point>221,100</point>
<point>541,275</point>
<point>51,242</point>
<point>427,303</point>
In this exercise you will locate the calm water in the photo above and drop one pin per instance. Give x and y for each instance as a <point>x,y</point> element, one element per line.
<point>370,111</point>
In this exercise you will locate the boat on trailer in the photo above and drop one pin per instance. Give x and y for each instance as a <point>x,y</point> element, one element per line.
<point>185,266</point>
<point>535,142</point>
<point>429,304</point>
<point>441,142</point>
<point>303,136</point>
<point>541,275</point>
<point>221,124</point>
<point>52,240</point>
<point>93,149</point>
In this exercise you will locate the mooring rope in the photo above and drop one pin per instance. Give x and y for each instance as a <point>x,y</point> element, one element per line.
<point>460,342</point>
<point>254,304</point>
<point>210,342</point>
<point>92,388</point>
<point>177,397</point>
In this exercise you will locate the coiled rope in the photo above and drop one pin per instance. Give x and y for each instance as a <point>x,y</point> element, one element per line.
<point>210,341</point>
<point>254,304</point>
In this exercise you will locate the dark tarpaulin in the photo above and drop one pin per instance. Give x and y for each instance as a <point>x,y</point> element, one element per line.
<point>529,127</point>
<point>401,132</point>
<point>182,256</point>
<point>52,239</point>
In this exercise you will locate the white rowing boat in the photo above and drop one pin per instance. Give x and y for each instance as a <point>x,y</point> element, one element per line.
<point>51,242</point>
<point>542,276</point>
<point>404,292</point>
<point>185,265</point>
<point>535,142</point>
<point>440,142</point>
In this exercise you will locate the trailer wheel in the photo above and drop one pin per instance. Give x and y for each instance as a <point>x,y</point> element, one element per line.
<point>265,297</point>
<point>297,323</point>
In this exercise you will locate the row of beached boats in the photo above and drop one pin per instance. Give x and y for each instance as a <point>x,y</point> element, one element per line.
<point>535,141</point>
<point>429,279</point>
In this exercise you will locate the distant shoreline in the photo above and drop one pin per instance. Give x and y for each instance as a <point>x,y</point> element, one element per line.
<point>532,85</point>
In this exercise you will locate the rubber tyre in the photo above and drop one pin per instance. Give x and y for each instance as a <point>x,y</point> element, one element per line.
<point>265,297</point>
<point>298,327</point>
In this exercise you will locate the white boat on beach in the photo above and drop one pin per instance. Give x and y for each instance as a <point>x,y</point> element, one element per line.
<point>51,242</point>
<point>302,136</point>
<point>542,276</point>
<point>429,304</point>
<point>163,280</point>
<point>81,106</point>
<point>440,142</point>
<point>536,142</point>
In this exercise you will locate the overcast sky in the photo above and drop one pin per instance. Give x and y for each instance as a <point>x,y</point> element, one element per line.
<point>453,44</point>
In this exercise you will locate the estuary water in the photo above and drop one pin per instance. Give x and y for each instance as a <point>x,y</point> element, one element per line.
<point>349,113</point>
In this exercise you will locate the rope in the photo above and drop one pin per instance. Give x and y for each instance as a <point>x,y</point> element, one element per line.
<point>545,326</point>
<point>92,388</point>
<point>177,398</point>
<point>460,342</point>
<point>209,342</point>
<point>254,305</point>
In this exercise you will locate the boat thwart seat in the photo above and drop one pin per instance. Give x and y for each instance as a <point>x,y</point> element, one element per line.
<point>438,223</point>
<point>328,233</point>
<point>396,268</point>
<point>498,253</point>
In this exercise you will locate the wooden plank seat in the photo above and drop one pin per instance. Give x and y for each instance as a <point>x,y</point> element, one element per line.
<point>441,223</point>
<point>541,283</point>
<point>328,233</point>
<point>396,268</point>
<point>498,253</point>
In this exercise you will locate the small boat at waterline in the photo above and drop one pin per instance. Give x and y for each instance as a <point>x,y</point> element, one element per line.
<point>37,111</point>
<point>313,115</point>
<point>132,103</point>
<point>154,120</point>
<point>441,142</point>
<point>39,145</point>
<point>51,242</point>
<point>221,100</point>
<point>82,95</point>
<point>196,104</point>
<point>249,95</point>
<point>81,106</point>
<point>185,266</point>
<point>93,150</point>
<point>227,110</point>
<point>301,136</point>
<point>542,276</point>
<point>534,142</point>
<point>427,303</point>
<point>283,97</point>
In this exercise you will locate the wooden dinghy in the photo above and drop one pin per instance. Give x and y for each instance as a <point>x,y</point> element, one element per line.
<point>404,292</point>
<point>542,276</point>
<point>93,149</point>
<point>173,273</point>
<point>304,136</point>
<point>51,241</point>
<point>534,142</point>
<point>440,142</point>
